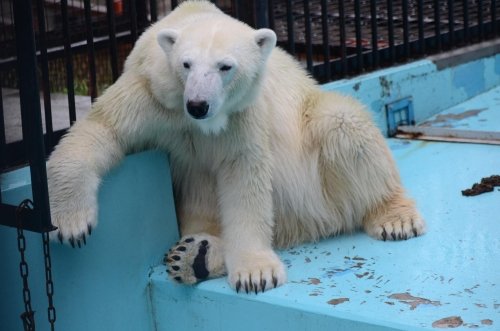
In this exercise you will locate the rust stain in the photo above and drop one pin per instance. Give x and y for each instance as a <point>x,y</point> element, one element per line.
<point>337,301</point>
<point>448,322</point>
<point>443,118</point>
<point>486,322</point>
<point>314,281</point>
<point>412,301</point>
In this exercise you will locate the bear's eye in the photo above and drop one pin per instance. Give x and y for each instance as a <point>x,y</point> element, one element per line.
<point>225,67</point>
<point>186,65</point>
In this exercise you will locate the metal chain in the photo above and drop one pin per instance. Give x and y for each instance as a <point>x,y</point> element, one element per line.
<point>28,316</point>
<point>49,285</point>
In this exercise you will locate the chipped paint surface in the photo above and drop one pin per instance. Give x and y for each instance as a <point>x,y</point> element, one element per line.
<point>412,301</point>
<point>448,322</point>
<point>407,285</point>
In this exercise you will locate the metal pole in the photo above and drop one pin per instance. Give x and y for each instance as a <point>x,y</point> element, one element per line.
<point>30,110</point>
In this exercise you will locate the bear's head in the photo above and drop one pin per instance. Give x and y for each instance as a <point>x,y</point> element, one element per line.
<point>219,64</point>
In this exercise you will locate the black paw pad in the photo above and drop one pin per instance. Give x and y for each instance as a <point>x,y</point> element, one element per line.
<point>199,263</point>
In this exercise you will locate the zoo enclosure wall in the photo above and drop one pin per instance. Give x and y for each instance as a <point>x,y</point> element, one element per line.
<point>81,45</point>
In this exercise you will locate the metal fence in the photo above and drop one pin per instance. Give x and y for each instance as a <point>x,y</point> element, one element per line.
<point>79,46</point>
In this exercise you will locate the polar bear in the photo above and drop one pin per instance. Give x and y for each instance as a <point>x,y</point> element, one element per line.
<point>260,156</point>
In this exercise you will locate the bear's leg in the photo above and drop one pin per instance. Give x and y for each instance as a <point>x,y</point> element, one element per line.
<point>195,258</point>
<point>360,175</point>
<point>395,219</point>
<point>74,172</point>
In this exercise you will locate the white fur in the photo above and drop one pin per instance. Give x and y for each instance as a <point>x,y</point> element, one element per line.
<point>274,161</point>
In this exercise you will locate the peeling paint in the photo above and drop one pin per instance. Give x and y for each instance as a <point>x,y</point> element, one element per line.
<point>356,86</point>
<point>385,85</point>
<point>337,301</point>
<point>412,301</point>
<point>446,118</point>
<point>486,322</point>
<point>448,322</point>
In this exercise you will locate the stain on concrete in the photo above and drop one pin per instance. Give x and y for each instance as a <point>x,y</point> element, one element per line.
<point>314,281</point>
<point>412,301</point>
<point>337,301</point>
<point>385,86</point>
<point>448,322</point>
<point>356,86</point>
<point>486,322</point>
<point>470,77</point>
<point>446,118</point>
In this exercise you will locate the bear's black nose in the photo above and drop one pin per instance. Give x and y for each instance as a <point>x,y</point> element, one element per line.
<point>197,109</point>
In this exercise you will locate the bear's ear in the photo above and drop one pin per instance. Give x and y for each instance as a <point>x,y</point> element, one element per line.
<point>167,38</point>
<point>266,40</point>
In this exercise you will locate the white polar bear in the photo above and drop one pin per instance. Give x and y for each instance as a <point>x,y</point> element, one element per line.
<point>259,154</point>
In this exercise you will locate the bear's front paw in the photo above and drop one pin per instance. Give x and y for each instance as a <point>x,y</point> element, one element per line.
<point>255,271</point>
<point>73,225</point>
<point>195,258</point>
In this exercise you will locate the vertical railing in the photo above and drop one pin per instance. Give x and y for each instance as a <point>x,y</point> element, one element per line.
<point>39,219</point>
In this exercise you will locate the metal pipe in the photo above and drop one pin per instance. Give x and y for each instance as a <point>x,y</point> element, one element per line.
<point>70,86</point>
<point>30,111</point>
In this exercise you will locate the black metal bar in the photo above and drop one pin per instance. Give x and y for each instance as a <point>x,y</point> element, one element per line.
<point>373,14</point>
<point>142,15</point>
<point>290,28</point>
<point>132,10</point>
<point>90,50</point>
<point>30,218</point>
<point>261,14</point>
<point>113,50</point>
<point>465,5</point>
<point>359,45</point>
<point>451,23</point>
<point>390,32</point>
<point>343,51</point>
<point>272,23</point>
<point>70,85</point>
<point>153,10</point>
<point>406,30</point>
<point>437,24</point>
<point>480,19</point>
<point>326,39</point>
<point>493,12</point>
<point>3,142</point>
<point>235,8</point>
<point>30,111</point>
<point>308,35</point>
<point>44,66</point>
<point>421,34</point>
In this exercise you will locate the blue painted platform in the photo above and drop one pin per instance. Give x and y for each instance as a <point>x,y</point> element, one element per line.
<point>354,282</point>
<point>480,113</point>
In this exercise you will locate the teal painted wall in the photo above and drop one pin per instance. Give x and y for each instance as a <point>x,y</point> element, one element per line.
<point>432,90</point>
<point>104,285</point>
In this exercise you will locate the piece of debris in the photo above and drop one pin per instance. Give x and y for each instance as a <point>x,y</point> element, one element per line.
<point>448,322</point>
<point>314,281</point>
<point>338,301</point>
<point>487,184</point>
<point>487,322</point>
